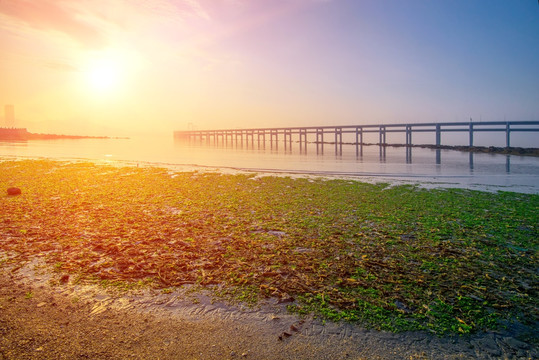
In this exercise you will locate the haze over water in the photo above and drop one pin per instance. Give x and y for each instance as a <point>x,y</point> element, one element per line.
<point>456,169</point>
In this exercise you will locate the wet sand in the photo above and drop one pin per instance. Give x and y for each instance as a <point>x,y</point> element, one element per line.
<point>40,321</point>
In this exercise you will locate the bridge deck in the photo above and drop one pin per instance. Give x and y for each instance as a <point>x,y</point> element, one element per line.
<point>382,129</point>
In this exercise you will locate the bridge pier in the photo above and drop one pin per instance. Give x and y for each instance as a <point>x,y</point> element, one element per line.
<point>302,140</point>
<point>319,140</point>
<point>382,142</point>
<point>236,136</point>
<point>507,135</point>
<point>276,134</point>
<point>288,139</point>
<point>338,141</point>
<point>359,141</point>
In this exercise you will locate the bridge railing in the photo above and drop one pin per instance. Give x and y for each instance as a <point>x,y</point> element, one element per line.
<point>302,132</point>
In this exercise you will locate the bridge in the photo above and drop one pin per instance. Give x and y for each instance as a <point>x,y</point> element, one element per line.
<point>321,135</point>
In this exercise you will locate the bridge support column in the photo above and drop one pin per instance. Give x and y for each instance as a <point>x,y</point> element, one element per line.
<point>338,141</point>
<point>382,142</point>
<point>359,141</point>
<point>408,144</point>
<point>507,135</point>
<point>287,139</point>
<point>319,141</point>
<point>438,135</point>
<point>471,134</point>
<point>276,133</point>
<point>408,135</point>
<point>302,140</point>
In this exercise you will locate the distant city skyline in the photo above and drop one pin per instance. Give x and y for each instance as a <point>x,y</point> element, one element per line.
<point>154,66</point>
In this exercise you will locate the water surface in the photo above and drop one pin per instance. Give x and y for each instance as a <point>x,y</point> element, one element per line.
<point>446,167</point>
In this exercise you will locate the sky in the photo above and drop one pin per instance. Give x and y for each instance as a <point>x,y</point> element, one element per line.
<point>125,67</point>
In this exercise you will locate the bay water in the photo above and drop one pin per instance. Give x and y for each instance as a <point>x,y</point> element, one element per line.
<point>428,167</point>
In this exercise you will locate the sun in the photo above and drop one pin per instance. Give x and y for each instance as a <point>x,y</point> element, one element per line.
<point>104,75</point>
<point>110,73</point>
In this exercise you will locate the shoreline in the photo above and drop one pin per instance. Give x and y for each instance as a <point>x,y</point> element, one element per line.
<point>22,134</point>
<point>427,181</point>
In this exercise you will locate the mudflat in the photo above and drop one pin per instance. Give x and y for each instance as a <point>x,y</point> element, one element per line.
<point>39,321</point>
<point>321,268</point>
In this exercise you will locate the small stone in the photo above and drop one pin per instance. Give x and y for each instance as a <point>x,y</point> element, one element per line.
<point>285,299</point>
<point>403,308</point>
<point>14,191</point>
<point>41,304</point>
<point>39,348</point>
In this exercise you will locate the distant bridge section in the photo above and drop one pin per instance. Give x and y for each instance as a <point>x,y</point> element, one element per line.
<point>334,134</point>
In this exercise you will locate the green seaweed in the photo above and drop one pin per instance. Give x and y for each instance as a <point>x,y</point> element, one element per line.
<point>395,258</point>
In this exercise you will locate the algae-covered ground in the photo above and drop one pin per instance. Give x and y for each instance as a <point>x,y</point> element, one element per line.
<point>394,258</point>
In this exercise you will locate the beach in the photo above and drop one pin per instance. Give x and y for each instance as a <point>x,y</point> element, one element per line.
<point>334,268</point>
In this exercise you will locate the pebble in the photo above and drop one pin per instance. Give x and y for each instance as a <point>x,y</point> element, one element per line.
<point>14,191</point>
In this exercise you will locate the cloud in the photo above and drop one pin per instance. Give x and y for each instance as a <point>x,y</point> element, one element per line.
<point>61,66</point>
<point>90,22</point>
<point>53,15</point>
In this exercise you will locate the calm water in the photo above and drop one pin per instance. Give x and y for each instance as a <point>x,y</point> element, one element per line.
<point>447,168</point>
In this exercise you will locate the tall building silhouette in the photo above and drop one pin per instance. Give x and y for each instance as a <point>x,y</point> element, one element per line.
<point>9,112</point>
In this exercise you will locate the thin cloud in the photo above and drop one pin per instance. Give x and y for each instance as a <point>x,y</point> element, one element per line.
<point>53,15</point>
<point>89,23</point>
<point>61,66</point>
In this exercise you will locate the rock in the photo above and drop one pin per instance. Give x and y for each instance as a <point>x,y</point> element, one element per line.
<point>14,191</point>
<point>41,304</point>
<point>403,308</point>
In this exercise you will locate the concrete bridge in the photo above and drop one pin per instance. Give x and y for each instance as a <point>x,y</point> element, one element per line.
<point>321,135</point>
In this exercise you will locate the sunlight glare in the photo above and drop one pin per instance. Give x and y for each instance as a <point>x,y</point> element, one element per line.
<point>104,75</point>
<point>108,72</point>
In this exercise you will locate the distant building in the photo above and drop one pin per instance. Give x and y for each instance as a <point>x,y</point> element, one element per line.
<point>9,112</point>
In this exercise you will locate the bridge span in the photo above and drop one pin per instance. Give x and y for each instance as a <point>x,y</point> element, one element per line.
<point>321,135</point>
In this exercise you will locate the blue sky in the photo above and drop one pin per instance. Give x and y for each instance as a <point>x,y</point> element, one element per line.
<point>141,65</point>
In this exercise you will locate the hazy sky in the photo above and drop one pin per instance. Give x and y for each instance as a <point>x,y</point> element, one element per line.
<point>120,67</point>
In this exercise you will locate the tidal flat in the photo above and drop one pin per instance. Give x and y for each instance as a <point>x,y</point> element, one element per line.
<point>396,258</point>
